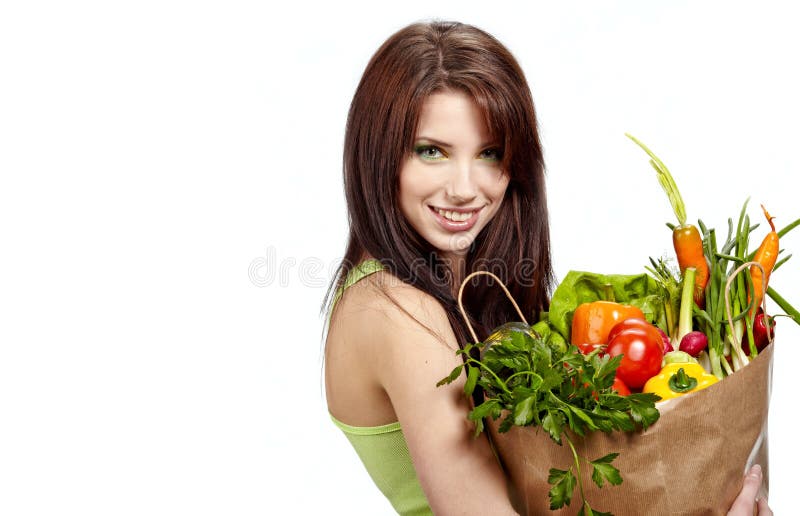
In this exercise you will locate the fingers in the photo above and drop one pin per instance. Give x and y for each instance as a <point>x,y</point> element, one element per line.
<point>763,508</point>
<point>746,501</point>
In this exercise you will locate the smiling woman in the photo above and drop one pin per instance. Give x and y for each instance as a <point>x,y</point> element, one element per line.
<point>450,190</point>
<point>443,176</point>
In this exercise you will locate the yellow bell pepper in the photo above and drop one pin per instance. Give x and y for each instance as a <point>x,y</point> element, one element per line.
<point>679,378</point>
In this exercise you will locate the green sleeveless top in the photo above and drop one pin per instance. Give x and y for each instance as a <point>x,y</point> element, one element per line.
<point>383,449</point>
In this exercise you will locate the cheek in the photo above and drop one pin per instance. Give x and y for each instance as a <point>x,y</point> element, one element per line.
<point>415,185</point>
<point>409,193</point>
<point>503,186</point>
<point>405,193</point>
<point>496,188</point>
<point>496,191</point>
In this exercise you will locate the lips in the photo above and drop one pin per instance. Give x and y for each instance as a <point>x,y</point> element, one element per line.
<point>456,219</point>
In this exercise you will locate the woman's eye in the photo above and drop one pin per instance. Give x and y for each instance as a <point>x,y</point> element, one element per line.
<point>428,152</point>
<point>492,155</point>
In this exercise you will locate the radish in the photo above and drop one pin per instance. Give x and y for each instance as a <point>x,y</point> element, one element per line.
<point>694,342</point>
<point>667,342</point>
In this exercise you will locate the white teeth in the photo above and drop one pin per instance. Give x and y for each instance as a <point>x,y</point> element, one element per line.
<point>455,216</point>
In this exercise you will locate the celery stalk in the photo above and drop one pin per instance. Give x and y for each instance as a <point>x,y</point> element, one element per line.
<point>687,302</point>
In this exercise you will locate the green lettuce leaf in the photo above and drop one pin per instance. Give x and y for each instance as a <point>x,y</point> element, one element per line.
<point>579,287</point>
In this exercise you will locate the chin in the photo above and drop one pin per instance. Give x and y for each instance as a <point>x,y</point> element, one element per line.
<point>460,250</point>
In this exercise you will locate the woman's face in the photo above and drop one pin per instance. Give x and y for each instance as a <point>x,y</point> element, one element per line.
<point>452,184</point>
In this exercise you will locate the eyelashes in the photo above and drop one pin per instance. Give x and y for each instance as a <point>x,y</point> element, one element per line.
<point>429,152</point>
<point>433,153</point>
<point>493,154</point>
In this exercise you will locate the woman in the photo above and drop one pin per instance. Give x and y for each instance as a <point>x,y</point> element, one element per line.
<point>443,175</point>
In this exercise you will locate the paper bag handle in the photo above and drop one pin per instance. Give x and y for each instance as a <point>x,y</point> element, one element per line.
<point>728,311</point>
<point>502,285</point>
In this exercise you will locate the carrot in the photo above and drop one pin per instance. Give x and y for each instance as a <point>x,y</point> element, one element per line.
<point>685,237</point>
<point>689,249</point>
<point>766,255</point>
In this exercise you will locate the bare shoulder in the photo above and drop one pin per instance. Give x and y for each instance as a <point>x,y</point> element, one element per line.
<point>402,336</point>
<point>381,305</point>
<point>411,340</point>
<point>418,350</point>
<point>383,330</point>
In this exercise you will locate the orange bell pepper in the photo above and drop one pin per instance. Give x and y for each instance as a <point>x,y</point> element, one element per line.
<point>592,322</point>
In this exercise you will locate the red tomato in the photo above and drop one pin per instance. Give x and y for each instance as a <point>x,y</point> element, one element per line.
<point>588,348</point>
<point>627,324</point>
<point>620,387</point>
<point>642,354</point>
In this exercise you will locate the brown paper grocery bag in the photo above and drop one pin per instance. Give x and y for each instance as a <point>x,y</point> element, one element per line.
<point>690,462</point>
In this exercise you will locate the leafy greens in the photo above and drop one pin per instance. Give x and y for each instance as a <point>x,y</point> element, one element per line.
<point>528,382</point>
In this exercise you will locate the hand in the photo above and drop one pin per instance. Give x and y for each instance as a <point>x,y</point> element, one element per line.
<point>747,503</point>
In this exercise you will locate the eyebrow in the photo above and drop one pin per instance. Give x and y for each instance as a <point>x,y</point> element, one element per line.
<point>448,145</point>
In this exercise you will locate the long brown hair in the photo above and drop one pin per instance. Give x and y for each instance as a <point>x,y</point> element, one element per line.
<point>416,61</point>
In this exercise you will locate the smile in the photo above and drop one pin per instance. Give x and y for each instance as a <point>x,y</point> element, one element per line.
<point>459,219</point>
<point>455,216</point>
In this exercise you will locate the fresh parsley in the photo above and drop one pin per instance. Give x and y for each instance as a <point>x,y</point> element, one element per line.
<point>530,383</point>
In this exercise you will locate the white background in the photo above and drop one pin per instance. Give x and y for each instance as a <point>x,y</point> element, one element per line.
<point>161,160</point>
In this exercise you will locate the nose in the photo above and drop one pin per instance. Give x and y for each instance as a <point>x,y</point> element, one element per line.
<point>461,187</point>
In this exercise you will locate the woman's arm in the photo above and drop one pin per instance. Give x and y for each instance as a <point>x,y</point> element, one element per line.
<point>458,473</point>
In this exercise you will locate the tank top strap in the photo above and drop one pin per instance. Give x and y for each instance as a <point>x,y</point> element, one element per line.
<point>362,270</point>
<point>356,274</point>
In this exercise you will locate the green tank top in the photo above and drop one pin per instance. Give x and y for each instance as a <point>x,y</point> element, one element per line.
<point>383,449</point>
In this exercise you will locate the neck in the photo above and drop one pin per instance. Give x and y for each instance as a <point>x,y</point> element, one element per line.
<point>457,264</point>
